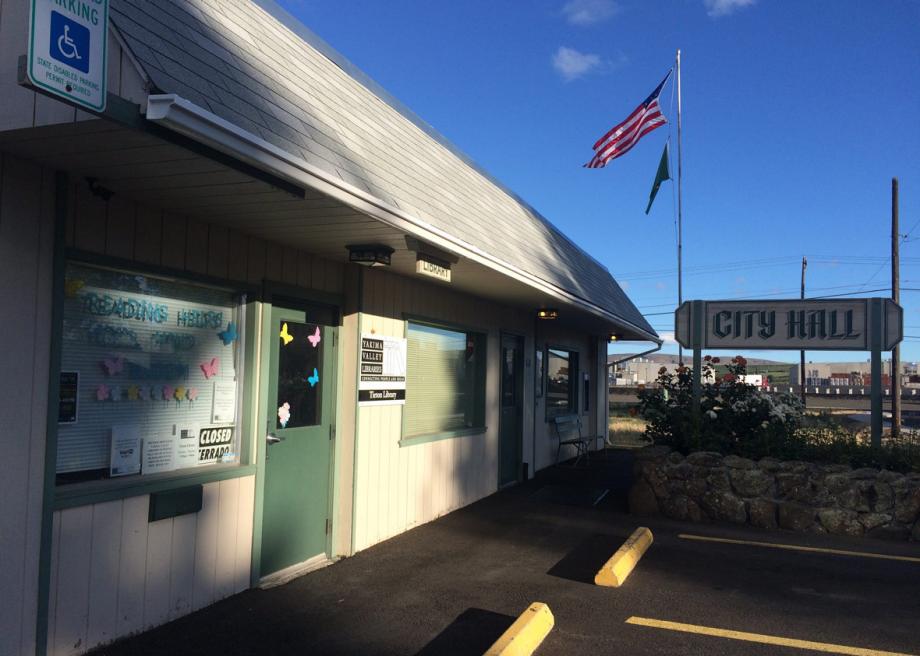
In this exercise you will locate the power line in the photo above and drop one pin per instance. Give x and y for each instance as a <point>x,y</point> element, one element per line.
<point>754,295</point>
<point>759,263</point>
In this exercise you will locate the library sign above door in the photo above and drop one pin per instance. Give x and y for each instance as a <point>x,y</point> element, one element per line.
<point>813,325</point>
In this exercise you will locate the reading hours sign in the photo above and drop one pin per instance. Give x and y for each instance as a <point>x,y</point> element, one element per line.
<point>382,375</point>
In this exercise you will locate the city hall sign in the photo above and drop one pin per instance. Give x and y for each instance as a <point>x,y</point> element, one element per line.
<point>813,325</point>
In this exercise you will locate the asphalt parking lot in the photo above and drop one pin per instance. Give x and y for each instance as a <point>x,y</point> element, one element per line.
<point>454,585</point>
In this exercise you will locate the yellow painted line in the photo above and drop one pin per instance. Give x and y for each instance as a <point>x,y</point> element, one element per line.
<point>525,635</point>
<point>761,638</point>
<point>795,547</point>
<point>622,563</point>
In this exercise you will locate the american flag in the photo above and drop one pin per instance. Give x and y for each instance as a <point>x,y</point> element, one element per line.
<point>621,138</point>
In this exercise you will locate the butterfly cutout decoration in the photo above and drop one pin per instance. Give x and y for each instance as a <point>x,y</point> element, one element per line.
<point>167,392</point>
<point>113,366</point>
<point>314,378</point>
<point>210,368</point>
<point>144,393</point>
<point>72,287</point>
<point>134,393</point>
<point>229,335</point>
<point>284,414</point>
<point>115,393</point>
<point>315,338</point>
<point>102,392</point>
<point>285,335</point>
<point>191,393</point>
<point>179,394</point>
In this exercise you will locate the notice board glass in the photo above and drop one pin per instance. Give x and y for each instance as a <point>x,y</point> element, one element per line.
<point>158,366</point>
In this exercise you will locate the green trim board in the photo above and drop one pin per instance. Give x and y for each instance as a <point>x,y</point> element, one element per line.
<point>261,421</point>
<point>175,503</point>
<point>59,264</point>
<point>446,435</point>
<point>357,442</point>
<point>277,293</point>
<point>336,456</point>
<point>87,494</point>
<point>440,323</point>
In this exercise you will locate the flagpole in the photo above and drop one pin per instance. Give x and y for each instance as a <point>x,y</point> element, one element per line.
<point>680,277</point>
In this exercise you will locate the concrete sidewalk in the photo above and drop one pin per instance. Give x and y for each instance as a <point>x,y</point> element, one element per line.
<point>454,585</point>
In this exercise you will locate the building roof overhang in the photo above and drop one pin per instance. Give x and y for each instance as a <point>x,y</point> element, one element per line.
<point>186,118</point>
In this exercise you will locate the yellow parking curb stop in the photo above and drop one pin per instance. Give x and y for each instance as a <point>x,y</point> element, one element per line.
<point>525,635</point>
<point>615,570</point>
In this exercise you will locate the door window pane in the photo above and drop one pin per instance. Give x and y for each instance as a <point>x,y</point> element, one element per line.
<point>300,375</point>
<point>508,377</point>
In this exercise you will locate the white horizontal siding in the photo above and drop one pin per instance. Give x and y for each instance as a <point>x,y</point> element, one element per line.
<point>114,574</point>
<point>398,487</point>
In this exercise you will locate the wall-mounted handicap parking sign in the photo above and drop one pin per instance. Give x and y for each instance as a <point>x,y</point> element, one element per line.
<point>67,49</point>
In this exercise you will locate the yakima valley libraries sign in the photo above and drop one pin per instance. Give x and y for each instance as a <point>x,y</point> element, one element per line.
<point>828,325</point>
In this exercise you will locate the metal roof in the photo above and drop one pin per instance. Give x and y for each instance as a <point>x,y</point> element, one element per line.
<point>255,66</point>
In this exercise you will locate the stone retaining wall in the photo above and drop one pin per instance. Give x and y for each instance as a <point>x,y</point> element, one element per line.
<point>770,493</point>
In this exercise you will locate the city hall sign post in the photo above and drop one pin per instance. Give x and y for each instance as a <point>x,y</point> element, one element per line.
<point>864,324</point>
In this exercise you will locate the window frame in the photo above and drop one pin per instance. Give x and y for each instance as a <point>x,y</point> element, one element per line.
<point>574,380</point>
<point>481,384</point>
<point>81,493</point>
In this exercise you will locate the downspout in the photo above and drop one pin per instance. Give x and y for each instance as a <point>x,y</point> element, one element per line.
<point>637,355</point>
<point>533,425</point>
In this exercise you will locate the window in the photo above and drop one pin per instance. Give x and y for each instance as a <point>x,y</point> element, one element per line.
<point>297,362</point>
<point>445,381</point>
<point>561,382</point>
<point>150,373</point>
<point>538,373</point>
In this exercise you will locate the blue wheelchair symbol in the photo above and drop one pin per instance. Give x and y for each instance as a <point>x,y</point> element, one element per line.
<point>69,42</point>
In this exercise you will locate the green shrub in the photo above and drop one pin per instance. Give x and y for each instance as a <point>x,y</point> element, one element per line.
<point>733,417</point>
<point>740,419</point>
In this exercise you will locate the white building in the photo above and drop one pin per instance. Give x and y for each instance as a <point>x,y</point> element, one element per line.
<point>203,389</point>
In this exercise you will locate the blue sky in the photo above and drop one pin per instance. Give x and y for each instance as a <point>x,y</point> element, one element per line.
<point>796,115</point>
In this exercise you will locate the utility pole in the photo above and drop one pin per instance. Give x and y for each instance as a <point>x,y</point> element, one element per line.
<point>896,297</point>
<point>680,222</point>
<point>802,352</point>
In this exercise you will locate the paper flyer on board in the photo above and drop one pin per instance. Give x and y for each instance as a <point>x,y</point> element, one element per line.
<point>125,455</point>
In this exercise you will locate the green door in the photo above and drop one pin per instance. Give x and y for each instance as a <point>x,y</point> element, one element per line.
<point>512,409</point>
<point>300,400</point>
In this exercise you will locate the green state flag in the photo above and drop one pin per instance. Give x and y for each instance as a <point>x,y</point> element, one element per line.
<point>663,174</point>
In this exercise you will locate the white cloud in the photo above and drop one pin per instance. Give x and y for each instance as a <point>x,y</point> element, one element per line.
<point>589,12</point>
<point>571,64</point>
<point>667,336</point>
<point>716,8</point>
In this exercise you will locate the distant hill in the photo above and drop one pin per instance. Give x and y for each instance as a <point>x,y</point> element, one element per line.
<point>669,358</point>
